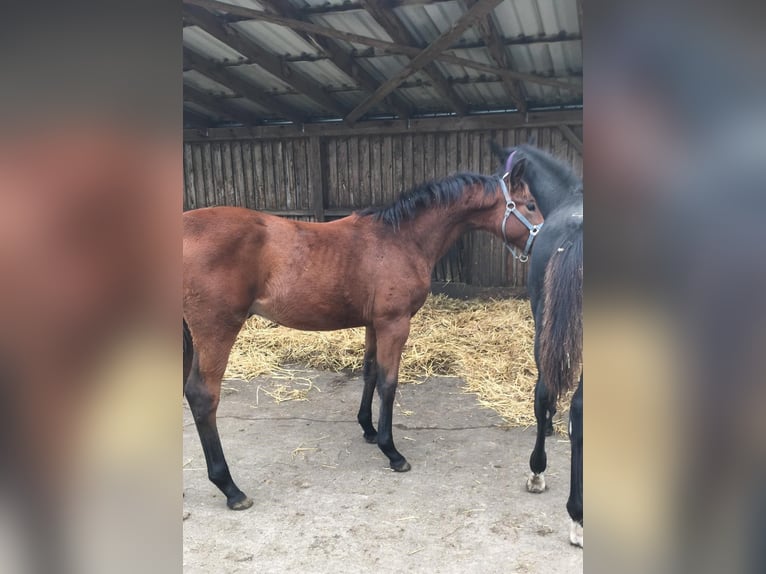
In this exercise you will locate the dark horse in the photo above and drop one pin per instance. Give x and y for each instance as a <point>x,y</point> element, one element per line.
<point>372,268</point>
<point>554,284</point>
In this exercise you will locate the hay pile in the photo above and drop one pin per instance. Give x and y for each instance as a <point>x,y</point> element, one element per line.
<point>488,344</point>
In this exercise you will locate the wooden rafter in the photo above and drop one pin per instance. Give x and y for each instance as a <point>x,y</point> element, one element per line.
<point>425,57</point>
<point>384,16</point>
<point>389,47</point>
<point>240,86</point>
<point>494,44</point>
<point>532,119</point>
<point>340,58</point>
<point>356,5</point>
<point>571,137</point>
<point>217,105</point>
<point>265,59</point>
<point>372,52</point>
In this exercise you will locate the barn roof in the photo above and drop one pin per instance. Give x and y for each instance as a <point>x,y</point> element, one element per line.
<point>261,62</point>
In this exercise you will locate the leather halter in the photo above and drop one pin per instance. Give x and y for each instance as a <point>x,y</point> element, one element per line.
<point>510,208</point>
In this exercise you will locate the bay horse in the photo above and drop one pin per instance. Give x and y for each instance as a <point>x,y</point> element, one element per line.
<point>372,268</point>
<point>554,284</point>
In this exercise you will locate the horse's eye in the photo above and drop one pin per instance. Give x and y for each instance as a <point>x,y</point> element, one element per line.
<point>531,206</point>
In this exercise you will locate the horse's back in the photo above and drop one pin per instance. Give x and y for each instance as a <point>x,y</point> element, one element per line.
<point>221,219</point>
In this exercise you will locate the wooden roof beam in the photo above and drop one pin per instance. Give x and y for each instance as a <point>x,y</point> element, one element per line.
<point>270,62</point>
<point>493,41</point>
<point>340,58</point>
<point>461,44</point>
<point>506,121</point>
<point>425,57</point>
<point>384,16</point>
<point>222,76</point>
<point>356,5</point>
<point>389,47</point>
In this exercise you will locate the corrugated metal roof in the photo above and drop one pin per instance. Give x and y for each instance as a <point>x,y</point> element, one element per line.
<point>325,73</point>
<point>276,39</point>
<point>211,48</point>
<point>521,24</point>
<point>202,82</point>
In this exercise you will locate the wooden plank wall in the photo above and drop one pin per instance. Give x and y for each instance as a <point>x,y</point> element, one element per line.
<point>279,176</point>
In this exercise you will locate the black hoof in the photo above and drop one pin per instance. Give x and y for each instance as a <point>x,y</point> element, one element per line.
<point>239,502</point>
<point>371,438</point>
<point>401,466</point>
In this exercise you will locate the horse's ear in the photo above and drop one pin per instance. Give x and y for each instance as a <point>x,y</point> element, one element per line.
<point>501,152</point>
<point>517,171</point>
<point>532,140</point>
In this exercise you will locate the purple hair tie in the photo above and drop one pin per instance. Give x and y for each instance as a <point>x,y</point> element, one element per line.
<point>509,163</point>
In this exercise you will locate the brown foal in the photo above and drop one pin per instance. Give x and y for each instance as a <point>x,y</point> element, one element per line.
<point>372,268</point>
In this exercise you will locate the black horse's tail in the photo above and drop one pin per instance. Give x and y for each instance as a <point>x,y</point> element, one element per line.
<point>188,351</point>
<point>561,334</point>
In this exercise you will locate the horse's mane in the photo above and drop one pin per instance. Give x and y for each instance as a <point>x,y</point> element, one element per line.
<point>434,192</point>
<point>557,169</point>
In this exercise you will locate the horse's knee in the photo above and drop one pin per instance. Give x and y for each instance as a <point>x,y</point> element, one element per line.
<point>201,400</point>
<point>386,390</point>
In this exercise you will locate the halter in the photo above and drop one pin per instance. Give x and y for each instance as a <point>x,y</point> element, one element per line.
<point>510,208</point>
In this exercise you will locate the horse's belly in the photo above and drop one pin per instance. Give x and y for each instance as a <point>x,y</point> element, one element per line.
<point>307,315</point>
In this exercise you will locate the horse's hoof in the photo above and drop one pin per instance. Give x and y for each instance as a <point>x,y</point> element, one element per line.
<point>402,466</point>
<point>536,483</point>
<point>240,503</point>
<point>575,534</point>
<point>371,438</point>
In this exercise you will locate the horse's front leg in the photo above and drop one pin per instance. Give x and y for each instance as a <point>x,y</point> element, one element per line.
<point>370,374</point>
<point>391,337</point>
<point>574,504</point>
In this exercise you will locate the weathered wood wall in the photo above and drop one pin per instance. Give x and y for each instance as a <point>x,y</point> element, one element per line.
<point>319,177</point>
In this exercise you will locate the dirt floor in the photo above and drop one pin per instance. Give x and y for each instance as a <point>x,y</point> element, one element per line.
<point>326,501</point>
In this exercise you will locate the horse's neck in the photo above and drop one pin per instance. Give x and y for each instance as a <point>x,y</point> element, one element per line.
<point>551,184</point>
<point>435,230</point>
<point>550,194</point>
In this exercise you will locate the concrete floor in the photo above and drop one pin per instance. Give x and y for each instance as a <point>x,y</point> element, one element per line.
<point>326,501</point>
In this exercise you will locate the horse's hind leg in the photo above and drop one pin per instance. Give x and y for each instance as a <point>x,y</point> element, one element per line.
<point>391,338</point>
<point>538,461</point>
<point>203,391</point>
<point>370,374</point>
<point>549,424</point>
<point>574,504</point>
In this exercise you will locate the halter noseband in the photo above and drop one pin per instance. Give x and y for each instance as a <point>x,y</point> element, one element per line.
<point>510,208</point>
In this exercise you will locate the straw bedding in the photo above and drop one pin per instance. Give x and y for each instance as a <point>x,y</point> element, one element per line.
<point>488,344</point>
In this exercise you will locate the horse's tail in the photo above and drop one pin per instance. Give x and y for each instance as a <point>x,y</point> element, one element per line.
<point>188,351</point>
<point>561,334</point>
